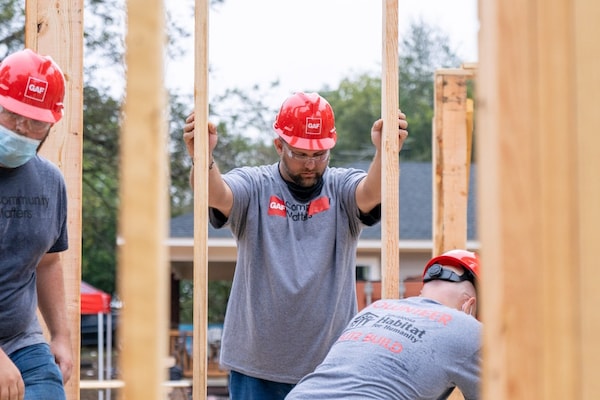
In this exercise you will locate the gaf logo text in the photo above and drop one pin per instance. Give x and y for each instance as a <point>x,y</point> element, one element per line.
<point>36,89</point>
<point>313,126</point>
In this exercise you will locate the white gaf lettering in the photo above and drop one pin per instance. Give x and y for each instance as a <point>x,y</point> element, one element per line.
<point>36,89</point>
<point>276,206</point>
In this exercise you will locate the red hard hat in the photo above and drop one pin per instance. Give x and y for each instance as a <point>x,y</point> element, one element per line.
<point>306,121</point>
<point>32,85</point>
<point>457,258</point>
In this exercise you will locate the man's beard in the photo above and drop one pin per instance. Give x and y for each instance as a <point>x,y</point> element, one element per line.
<point>299,180</point>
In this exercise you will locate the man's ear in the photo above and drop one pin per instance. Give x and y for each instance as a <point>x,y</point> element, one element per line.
<point>470,306</point>
<point>278,145</point>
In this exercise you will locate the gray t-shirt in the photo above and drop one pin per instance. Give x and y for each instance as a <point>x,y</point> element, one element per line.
<point>33,222</point>
<point>294,286</point>
<point>408,349</point>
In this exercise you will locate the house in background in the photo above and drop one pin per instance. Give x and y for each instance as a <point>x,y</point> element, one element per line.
<point>416,234</point>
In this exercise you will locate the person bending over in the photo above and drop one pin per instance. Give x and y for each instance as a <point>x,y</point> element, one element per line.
<point>417,348</point>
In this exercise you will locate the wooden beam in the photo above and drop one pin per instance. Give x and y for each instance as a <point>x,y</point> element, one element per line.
<point>586,65</point>
<point>143,214</point>
<point>55,28</point>
<point>201,161</point>
<point>451,160</point>
<point>451,148</point>
<point>390,170</point>
<point>538,158</point>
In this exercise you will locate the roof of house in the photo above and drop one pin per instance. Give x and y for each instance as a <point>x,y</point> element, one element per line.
<point>415,206</point>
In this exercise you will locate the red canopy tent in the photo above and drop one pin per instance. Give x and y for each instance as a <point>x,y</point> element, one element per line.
<point>94,301</point>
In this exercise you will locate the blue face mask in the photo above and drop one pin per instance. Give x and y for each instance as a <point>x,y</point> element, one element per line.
<point>15,149</point>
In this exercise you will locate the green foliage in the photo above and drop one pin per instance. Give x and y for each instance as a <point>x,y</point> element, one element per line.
<point>236,114</point>
<point>357,100</point>
<point>422,51</point>
<point>12,26</point>
<point>218,295</point>
<point>356,104</point>
<point>244,125</point>
<point>100,188</point>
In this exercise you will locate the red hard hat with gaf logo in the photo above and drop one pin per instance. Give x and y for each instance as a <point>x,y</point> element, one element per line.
<point>32,85</point>
<point>306,121</point>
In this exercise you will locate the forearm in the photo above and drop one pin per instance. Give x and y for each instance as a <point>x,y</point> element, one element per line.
<point>368,192</point>
<point>51,296</point>
<point>219,193</point>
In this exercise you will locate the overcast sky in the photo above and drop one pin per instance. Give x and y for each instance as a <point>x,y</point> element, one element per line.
<point>307,44</point>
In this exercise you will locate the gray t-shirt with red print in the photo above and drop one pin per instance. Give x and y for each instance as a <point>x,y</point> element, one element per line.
<point>408,349</point>
<point>294,286</point>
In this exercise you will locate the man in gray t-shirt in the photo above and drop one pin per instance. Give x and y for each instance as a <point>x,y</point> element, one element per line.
<point>33,232</point>
<point>297,224</point>
<point>418,348</point>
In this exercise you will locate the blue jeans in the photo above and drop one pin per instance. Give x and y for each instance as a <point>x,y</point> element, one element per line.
<point>244,387</point>
<point>42,377</point>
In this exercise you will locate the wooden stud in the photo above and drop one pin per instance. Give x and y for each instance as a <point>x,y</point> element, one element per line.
<point>390,170</point>
<point>452,126</point>
<point>201,161</point>
<point>586,65</point>
<point>470,116</point>
<point>451,160</point>
<point>143,215</point>
<point>55,28</point>
<point>538,158</point>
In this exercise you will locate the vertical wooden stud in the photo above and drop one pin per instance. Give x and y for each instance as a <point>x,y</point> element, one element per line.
<point>143,215</point>
<point>539,192</point>
<point>201,200</point>
<point>586,65</point>
<point>450,160</point>
<point>390,170</point>
<point>55,28</point>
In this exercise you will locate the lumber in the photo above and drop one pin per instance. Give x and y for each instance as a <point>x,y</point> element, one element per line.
<point>143,269</point>
<point>390,169</point>
<point>451,160</point>
<point>539,192</point>
<point>201,161</point>
<point>55,28</point>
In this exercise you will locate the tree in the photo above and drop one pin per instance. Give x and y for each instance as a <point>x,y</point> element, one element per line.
<point>237,113</point>
<point>424,50</point>
<point>356,104</point>
<point>100,188</point>
<point>12,27</point>
<point>245,132</point>
<point>357,101</point>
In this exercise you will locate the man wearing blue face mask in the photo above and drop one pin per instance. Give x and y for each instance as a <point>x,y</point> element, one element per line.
<point>33,232</point>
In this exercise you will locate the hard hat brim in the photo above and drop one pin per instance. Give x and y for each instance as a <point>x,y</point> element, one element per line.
<point>29,111</point>
<point>308,144</point>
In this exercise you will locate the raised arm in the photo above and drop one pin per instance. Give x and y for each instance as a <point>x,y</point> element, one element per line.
<point>219,193</point>
<point>368,191</point>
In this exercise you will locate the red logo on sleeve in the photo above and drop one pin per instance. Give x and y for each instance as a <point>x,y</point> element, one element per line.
<point>318,205</point>
<point>277,207</point>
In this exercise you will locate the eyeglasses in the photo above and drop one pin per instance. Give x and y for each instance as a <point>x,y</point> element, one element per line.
<point>33,125</point>
<point>317,158</point>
